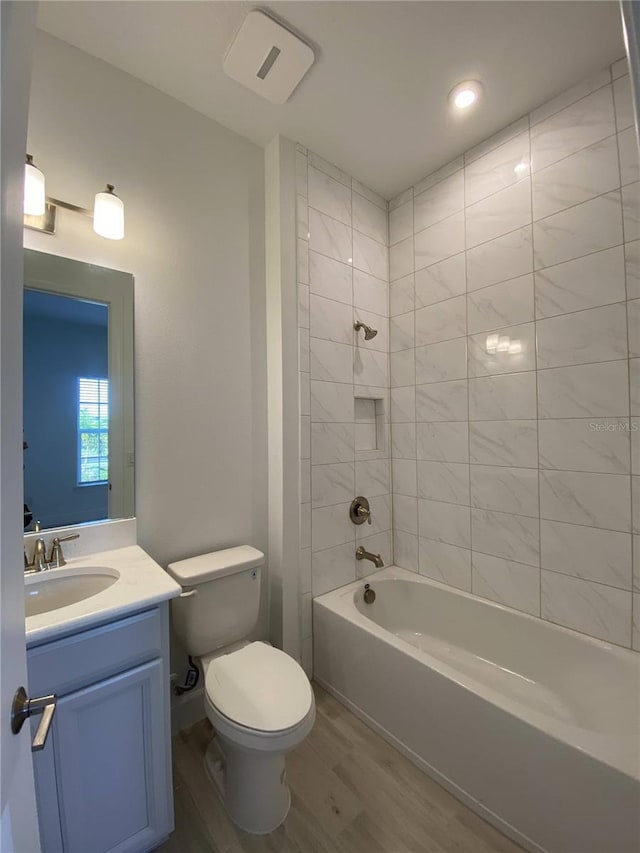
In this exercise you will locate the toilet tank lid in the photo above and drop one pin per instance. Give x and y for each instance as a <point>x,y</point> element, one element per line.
<point>217,564</point>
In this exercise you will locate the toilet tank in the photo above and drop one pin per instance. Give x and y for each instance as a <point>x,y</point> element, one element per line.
<point>220,601</point>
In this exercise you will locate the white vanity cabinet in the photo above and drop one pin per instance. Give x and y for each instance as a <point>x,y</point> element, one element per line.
<point>103,781</point>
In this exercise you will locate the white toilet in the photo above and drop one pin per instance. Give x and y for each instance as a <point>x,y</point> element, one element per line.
<point>258,699</point>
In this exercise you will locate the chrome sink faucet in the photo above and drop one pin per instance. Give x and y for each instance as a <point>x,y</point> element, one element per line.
<point>376,559</point>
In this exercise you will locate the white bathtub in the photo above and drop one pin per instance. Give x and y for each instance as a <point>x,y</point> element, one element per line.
<point>536,727</point>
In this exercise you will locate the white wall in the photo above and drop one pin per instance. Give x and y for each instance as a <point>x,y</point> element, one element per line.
<point>512,471</point>
<point>194,207</point>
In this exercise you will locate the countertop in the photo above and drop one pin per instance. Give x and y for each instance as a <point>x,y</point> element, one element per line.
<point>142,584</point>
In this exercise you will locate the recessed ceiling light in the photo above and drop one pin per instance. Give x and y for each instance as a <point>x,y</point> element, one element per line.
<point>465,94</point>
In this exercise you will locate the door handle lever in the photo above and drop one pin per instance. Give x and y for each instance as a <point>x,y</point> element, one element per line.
<point>22,708</point>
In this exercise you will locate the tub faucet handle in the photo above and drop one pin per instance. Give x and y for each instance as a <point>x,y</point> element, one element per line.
<point>359,511</point>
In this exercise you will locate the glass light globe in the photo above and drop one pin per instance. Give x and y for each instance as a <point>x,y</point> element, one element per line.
<point>34,195</point>
<point>108,215</point>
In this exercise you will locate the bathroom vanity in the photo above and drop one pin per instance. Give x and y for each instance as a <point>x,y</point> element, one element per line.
<point>103,779</point>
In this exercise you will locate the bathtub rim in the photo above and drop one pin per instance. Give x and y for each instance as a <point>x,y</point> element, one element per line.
<point>600,744</point>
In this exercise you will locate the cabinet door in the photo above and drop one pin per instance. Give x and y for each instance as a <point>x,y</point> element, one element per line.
<point>112,764</point>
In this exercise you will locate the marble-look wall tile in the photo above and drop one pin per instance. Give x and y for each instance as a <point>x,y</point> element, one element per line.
<point>305,525</point>
<point>305,480</point>
<point>329,237</point>
<point>303,306</point>
<point>498,214</point>
<point>331,402</point>
<point>440,281</point>
<point>401,295</point>
<point>589,390</point>
<point>405,550</point>
<point>443,442</point>
<point>370,219</point>
<point>330,278</point>
<point>577,178</point>
<point>497,140</point>
<point>331,526</point>
<point>365,192</point>
<point>581,124</point>
<point>401,332</point>
<point>603,556</point>
<point>628,152</point>
<point>403,441</point>
<point>595,500</point>
<point>401,259</point>
<point>598,334</point>
<point>631,211</point>
<point>330,320</point>
<point>513,443</point>
<point>405,514</point>
<point>500,168</point>
<point>623,102</point>
<point>441,322</point>
<point>328,168</point>
<point>443,481</point>
<point>401,222</point>
<point>634,377</point>
<point>302,262</point>
<point>441,362</point>
<point>370,256</point>
<point>582,283</point>
<point>633,314</point>
<point>500,305</point>
<point>370,293</point>
<point>301,173</point>
<point>380,517</point>
<point>332,568</point>
<point>331,362</point>
<point>442,401</point>
<point>632,268</point>
<point>440,175</point>
<point>569,96</point>
<point>303,350</point>
<point>580,230</point>
<point>505,258</point>
<point>598,445</point>
<point>505,489</point>
<point>438,202</point>
<point>598,610</point>
<point>329,196</point>
<point>405,477</point>
<point>373,478</point>
<point>370,368</point>
<point>449,564</point>
<point>401,198</point>
<point>501,534</point>
<point>506,582</point>
<point>332,484</point>
<point>485,361</point>
<point>444,522</point>
<point>503,397</point>
<point>439,241</point>
<point>332,443</point>
<point>403,404</point>
<point>403,368</point>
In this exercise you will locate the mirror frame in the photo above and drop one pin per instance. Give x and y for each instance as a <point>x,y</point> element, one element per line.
<point>67,277</point>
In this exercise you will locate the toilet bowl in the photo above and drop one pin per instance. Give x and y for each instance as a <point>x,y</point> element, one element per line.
<point>261,706</point>
<point>257,697</point>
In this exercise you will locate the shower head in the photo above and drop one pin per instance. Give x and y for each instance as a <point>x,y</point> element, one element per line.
<point>368,331</point>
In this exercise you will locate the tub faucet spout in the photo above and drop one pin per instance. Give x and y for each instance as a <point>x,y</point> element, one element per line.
<point>376,559</point>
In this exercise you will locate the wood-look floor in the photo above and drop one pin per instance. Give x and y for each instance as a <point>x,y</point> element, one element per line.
<point>351,793</point>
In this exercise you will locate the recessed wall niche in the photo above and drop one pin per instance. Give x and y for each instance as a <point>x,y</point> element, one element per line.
<point>369,425</point>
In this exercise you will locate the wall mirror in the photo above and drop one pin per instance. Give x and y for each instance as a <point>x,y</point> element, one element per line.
<point>78,392</point>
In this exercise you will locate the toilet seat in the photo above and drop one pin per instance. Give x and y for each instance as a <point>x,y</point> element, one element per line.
<point>259,698</point>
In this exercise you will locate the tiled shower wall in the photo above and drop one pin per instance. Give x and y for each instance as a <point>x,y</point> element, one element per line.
<point>515,365</point>
<point>342,277</point>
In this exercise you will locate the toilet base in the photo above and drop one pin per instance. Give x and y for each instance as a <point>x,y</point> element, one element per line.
<point>252,785</point>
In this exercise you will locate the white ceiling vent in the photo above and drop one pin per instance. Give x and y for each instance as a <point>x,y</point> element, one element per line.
<point>267,58</point>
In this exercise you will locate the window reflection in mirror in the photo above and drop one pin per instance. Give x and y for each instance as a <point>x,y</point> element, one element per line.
<point>78,392</point>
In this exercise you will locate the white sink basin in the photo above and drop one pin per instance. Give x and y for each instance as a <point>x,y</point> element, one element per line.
<point>56,588</point>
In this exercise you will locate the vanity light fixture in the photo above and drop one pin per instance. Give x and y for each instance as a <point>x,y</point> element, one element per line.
<point>40,209</point>
<point>465,94</point>
<point>34,195</point>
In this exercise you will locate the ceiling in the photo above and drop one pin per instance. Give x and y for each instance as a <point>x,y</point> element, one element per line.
<point>375,101</point>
